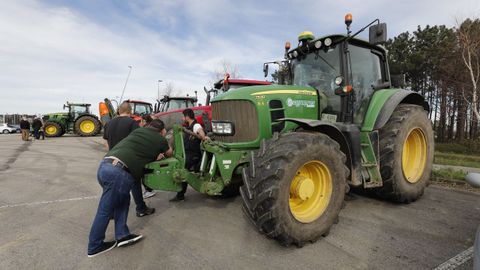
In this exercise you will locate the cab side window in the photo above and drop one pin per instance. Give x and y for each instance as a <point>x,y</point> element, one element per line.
<point>366,73</point>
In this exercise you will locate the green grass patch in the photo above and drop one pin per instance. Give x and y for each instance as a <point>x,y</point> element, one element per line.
<point>448,174</point>
<point>457,159</point>
<point>465,148</point>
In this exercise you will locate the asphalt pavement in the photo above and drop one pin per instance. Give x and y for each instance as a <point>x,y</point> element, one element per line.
<point>49,195</point>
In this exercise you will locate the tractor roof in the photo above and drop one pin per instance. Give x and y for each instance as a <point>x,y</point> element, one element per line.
<point>137,101</point>
<point>79,104</point>
<point>219,84</point>
<point>167,98</point>
<point>340,37</point>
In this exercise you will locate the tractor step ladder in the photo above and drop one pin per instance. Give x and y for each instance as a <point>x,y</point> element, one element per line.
<point>370,166</point>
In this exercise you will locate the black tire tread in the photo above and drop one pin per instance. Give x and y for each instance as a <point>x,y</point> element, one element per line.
<point>96,131</point>
<point>388,136</point>
<point>270,159</point>
<point>57,125</point>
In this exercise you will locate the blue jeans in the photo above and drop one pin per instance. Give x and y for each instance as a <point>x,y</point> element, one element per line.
<point>115,201</point>
<point>137,195</point>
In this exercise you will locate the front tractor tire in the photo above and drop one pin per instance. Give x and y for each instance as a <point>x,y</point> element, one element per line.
<point>52,129</point>
<point>87,126</point>
<point>406,154</point>
<point>295,186</point>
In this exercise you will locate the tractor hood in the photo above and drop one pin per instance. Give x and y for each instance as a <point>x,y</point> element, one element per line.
<point>59,114</point>
<point>257,92</point>
<point>256,112</point>
<point>55,116</point>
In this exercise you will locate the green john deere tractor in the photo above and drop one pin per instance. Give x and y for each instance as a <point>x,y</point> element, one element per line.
<point>295,150</point>
<point>78,120</point>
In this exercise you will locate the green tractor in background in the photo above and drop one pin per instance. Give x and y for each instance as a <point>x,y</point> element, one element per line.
<point>295,150</point>
<point>78,120</point>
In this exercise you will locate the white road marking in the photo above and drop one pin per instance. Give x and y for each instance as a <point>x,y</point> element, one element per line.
<point>48,202</point>
<point>457,260</point>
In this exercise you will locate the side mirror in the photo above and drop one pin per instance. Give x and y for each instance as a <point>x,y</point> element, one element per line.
<point>64,106</point>
<point>398,80</point>
<point>378,33</point>
<point>265,70</point>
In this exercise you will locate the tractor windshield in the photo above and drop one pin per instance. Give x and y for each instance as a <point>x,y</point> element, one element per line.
<point>176,104</point>
<point>319,69</point>
<point>142,109</point>
<point>76,109</point>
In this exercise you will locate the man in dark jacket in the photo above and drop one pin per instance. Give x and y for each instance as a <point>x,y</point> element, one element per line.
<point>37,125</point>
<point>115,131</point>
<point>121,168</point>
<point>25,127</point>
<point>191,143</point>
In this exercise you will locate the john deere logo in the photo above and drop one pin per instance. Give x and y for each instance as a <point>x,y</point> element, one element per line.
<point>300,103</point>
<point>289,102</point>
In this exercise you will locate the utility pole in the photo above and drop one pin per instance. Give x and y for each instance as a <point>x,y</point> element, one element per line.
<point>125,86</point>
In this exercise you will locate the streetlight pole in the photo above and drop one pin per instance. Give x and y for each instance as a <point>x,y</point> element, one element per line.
<point>125,86</point>
<point>158,86</point>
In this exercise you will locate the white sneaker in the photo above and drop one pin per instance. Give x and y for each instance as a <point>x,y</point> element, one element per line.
<point>148,194</point>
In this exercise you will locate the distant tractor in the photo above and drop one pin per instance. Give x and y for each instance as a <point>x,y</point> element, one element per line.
<point>78,120</point>
<point>295,150</point>
<point>139,109</point>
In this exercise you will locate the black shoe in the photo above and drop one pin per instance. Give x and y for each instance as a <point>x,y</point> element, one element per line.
<point>106,246</point>
<point>177,199</point>
<point>129,240</point>
<point>146,212</point>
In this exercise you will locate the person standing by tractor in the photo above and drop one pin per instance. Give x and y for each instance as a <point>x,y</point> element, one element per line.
<point>115,131</point>
<point>25,127</point>
<point>121,168</point>
<point>146,120</point>
<point>36,125</point>
<point>192,138</point>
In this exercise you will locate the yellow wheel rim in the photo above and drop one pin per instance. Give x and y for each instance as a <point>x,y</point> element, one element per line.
<point>310,191</point>
<point>414,155</point>
<point>51,130</point>
<point>87,126</point>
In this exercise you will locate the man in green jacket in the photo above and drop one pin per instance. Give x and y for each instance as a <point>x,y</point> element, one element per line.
<point>122,166</point>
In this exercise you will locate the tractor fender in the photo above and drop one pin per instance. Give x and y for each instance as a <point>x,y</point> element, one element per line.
<point>347,136</point>
<point>384,102</point>
<point>402,96</point>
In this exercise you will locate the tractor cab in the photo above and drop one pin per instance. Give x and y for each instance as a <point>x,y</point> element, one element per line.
<point>77,109</point>
<point>140,108</point>
<point>345,71</point>
<point>168,103</point>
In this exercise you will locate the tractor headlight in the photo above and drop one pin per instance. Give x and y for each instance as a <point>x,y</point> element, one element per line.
<point>223,128</point>
<point>327,42</point>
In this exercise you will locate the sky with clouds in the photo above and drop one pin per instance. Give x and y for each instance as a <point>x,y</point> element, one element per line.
<point>55,51</point>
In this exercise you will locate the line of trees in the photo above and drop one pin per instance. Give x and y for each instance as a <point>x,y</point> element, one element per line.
<point>443,64</point>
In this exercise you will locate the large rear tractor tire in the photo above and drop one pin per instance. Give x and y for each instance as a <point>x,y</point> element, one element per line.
<point>52,129</point>
<point>406,154</point>
<point>295,186</point>
<point>87,126</point>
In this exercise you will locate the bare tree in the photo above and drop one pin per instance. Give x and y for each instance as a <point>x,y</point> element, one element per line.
<point>469,39</point>
<point>225,66</point>
<point>170,90</point>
